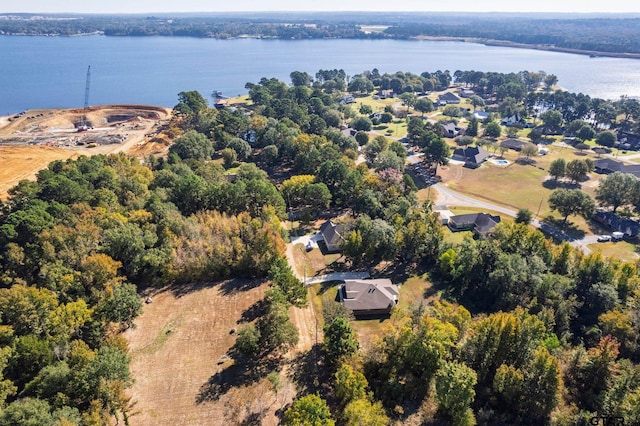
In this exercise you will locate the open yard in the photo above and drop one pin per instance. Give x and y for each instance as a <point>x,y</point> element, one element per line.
<point>516,186</point>
<point>415,290</point>
<point>626,252</point>
<point>179,349</point>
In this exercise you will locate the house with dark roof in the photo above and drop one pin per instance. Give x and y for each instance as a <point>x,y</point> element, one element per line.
<point>480,223</point>
<point>513,144</point>
<point>629,227</point>
<point>367,298</point>
<point>466,93</point>
<point>473,156</point>
<point>451,130</point>
<point>608,166</point>
<point>332,234</point>
<point>384,94</point>
<point>448,98</point>
<point>512,119</point>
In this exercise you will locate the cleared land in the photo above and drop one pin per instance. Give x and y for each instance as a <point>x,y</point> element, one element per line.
<point>29,142</point>
<point>23,162</point>
<point>179,357</point>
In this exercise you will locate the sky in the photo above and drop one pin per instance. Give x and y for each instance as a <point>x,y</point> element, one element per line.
<point>164,6</point>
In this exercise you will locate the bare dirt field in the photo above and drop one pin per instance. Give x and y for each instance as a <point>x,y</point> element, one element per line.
<point>179,350</point>
<point>23,162</point>
<point>30,141</point>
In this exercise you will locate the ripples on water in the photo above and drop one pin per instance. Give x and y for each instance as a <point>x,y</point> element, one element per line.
<point>47,72</point>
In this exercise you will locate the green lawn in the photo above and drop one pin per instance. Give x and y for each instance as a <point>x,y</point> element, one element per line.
<point>312,262</point>
<point>319,293</point>
<point>622,250</point>
<point>515,186</point>
<point>413,291</point>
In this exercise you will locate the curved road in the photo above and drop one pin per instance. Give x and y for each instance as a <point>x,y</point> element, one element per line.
<point>449,197</point>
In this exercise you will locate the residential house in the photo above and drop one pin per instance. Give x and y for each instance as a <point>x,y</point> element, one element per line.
<point>512,119</point>
<point>629,227</point>
<point>448,98</point>
<point>480,115</point>
<point>473,156</point>
<point>514,144</point>
<point>347,99</point>
<point>349,131</point>
<point>367,298</point>
<point>451,130</point>
<point>466,93</point>
<point>384,94</point>
<point>480,223</point>
<point>608,165</point>
<point>332,234</point>
<point>628,140</point>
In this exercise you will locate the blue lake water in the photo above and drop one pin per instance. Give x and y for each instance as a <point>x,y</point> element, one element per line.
<point>50,72</point>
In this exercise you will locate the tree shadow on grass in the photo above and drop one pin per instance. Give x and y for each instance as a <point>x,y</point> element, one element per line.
<point>183,289</point>
<point>244,371</point>
<point>557,184</point>
<point>569,230</point>
<point>227,287</point>
<point>253,312</point>
<point>238,285</point>
<point>398,272</point>
<point>310,374</point>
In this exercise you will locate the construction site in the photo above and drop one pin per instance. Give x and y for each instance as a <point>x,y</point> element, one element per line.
<point>31,139</point>
<point>103,129</point>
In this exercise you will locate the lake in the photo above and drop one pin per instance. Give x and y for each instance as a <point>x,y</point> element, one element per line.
<point>50,72</point>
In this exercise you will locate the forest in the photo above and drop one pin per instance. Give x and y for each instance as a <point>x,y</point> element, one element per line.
<point>526,331</point>
<point>611,34</point>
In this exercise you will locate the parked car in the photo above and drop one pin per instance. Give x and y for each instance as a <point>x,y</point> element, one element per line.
<point>604,238</point>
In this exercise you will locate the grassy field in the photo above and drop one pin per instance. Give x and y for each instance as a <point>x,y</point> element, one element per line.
<point>177,351</point>
<point>180,349</point>
<point>517,186</point>
<point>627,252</point>
<point>313,262</point>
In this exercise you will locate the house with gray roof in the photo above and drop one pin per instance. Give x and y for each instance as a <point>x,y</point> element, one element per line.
<point>629,227</point>
<point>473,156</point>
<point>514,144</point>
<point>367,298</point>
<point>480,223</point>
<point>333,235</point>
<point>451,130</point>
<point>448,98</point>
<point>608,166</point>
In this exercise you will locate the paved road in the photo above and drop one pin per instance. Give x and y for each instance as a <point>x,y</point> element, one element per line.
<point>449,197</point>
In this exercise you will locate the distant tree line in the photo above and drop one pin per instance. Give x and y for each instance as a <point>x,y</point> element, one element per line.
<point>590,34</point>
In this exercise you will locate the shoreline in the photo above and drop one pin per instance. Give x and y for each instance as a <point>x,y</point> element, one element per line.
<point>486,42</point>
<point>543,47</point>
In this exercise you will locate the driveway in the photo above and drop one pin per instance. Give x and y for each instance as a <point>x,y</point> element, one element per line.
<point>448,197</point>
<point>337,276</point>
